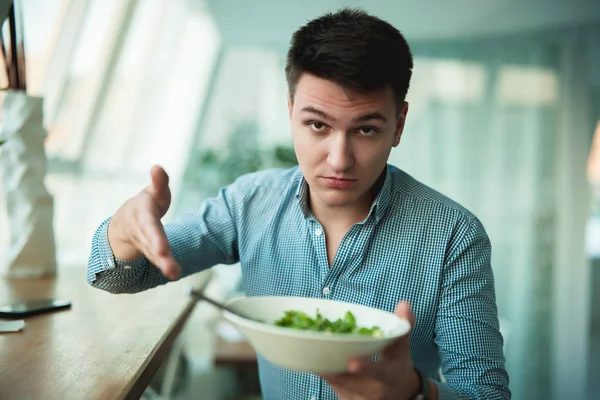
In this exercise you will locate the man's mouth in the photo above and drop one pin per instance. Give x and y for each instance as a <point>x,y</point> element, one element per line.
<point>338,183</point>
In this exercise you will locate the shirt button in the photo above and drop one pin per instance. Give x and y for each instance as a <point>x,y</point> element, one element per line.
<point>318,231</point>
<point>127,267</point>
<point>313,397</point>
<point>326,291</point>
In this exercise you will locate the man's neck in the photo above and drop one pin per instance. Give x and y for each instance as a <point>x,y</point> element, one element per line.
<point>340,216</point>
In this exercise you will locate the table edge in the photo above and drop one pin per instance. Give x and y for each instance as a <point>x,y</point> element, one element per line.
<point>147,371</point>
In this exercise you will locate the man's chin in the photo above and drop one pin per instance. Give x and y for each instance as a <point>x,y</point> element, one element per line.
<point>338,198</point>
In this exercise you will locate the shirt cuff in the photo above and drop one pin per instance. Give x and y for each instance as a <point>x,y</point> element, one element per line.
<point>445,392</point>
<point>107,260</point>
<point>137,263</point>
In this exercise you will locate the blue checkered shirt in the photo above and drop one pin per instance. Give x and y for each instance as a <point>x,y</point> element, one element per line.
<point>415,244</point>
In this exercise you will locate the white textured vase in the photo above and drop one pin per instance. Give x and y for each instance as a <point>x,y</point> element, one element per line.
<point>29,206</point>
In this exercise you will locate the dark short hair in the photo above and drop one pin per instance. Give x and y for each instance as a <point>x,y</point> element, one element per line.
<point>356,50</point>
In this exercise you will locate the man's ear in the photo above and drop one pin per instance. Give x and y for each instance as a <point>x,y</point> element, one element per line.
<point>290,105</point>
<point>400,122</point>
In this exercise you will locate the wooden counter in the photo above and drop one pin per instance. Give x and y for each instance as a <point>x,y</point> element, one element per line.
<point>106,346</point>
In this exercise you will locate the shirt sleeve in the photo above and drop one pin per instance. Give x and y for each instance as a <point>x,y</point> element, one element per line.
<point>467,329</point>
<point>198,241</point>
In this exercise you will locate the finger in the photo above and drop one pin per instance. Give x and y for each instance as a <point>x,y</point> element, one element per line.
<point>335,377</point>
<point>152,233</point>
<point>165,263</point>
<point>339,383</point>
<point>159,189</point>
<point>156,238</point>
<point>385,373</point>
<point>401,347</point>
<point>155,246</point>
<point>169,267</point>
<point>375,370</point>
<point>355,386</point>
<point>160,178</point>
<point>403,311</point>
<point>359,366</point>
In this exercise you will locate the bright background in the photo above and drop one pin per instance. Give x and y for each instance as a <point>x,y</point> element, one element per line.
<point>503,107</point>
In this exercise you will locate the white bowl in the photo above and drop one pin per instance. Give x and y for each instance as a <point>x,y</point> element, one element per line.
<point>312,351</point>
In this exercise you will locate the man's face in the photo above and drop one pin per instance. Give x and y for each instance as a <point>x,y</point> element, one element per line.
<point>343,139</point>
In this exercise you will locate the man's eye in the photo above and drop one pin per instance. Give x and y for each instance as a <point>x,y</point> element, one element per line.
<point>367,131</point>
<point>318,126</point>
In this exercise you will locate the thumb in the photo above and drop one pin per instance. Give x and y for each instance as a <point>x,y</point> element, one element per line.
<point>159,189</point>
<point>400,347</point>
<point>403,311</point>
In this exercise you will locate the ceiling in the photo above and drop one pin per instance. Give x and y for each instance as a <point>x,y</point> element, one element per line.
<point>273,21</point>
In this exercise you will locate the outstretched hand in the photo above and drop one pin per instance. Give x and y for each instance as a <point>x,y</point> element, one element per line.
<point>136,228</point>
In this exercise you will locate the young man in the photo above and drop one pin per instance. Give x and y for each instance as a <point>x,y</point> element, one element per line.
<point>343,225</point>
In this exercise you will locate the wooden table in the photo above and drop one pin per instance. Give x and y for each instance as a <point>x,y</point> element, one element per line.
<point>106,346</point>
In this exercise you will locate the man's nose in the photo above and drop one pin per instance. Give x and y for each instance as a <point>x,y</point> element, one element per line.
<point>340,153</point>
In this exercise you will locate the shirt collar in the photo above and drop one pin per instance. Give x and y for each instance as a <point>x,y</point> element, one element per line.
<point>302,194</point>
<point>382,200</point>
<point>378,208</point>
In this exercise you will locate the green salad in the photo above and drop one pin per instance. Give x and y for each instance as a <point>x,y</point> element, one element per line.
<point>300,320</point>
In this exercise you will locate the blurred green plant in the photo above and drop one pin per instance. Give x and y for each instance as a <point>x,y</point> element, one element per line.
<point>216,167</point>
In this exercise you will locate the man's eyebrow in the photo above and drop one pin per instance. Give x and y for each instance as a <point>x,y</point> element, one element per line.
<point>362,118</point>
<point>318,112</point>
<point>371,116</point>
